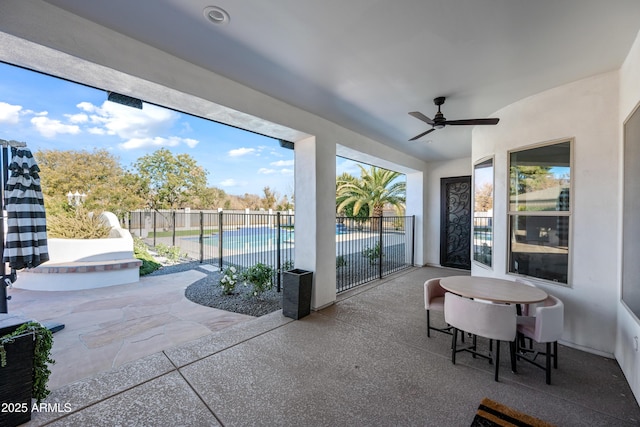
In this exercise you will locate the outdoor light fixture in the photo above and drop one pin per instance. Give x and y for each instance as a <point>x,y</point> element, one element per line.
<point>124,100</point>
<point>286,144</point>
<point>76,199</point>
<point>216,14</point>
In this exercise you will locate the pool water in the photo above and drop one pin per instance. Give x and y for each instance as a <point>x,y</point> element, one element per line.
<point>257,237</point>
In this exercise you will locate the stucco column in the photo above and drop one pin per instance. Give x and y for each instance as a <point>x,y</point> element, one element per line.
<point>417,205</point>
<point>315,200</point>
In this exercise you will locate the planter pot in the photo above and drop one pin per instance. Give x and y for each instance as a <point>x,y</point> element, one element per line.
<point>296,293</point>
<point>16,379</point>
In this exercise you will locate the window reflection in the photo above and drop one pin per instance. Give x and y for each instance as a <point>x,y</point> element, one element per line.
<point>539,211</point>
<point>483,212</point>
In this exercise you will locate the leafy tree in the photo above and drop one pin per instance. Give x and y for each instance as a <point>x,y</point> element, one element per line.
<point>270,198</point>
<point>96,173</point>
<point>210,198</point>
<point>347,209</point>
<point>375,188</point>
<point>173,181</point>
<point>484,198</point>
<point>525,179</point>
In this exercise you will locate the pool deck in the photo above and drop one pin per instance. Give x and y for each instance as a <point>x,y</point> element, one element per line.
<point>106,328</point>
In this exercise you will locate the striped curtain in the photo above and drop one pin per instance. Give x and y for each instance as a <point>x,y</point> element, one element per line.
<point>26,240</point>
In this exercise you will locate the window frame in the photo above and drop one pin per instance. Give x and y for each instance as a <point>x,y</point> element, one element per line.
<point>473,201</point>
<point>568,213</point>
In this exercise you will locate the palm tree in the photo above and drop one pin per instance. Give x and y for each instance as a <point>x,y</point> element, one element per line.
<point>374,189</point>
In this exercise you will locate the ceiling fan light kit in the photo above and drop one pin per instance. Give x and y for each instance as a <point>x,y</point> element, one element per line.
<point>439,121</point>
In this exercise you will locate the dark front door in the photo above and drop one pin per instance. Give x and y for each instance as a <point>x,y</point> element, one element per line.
<point>455,222</point>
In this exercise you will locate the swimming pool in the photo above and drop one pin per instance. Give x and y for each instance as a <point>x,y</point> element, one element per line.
<point>256,237</point>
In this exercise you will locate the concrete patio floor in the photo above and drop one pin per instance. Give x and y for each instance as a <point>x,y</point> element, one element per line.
<point>364,361</point>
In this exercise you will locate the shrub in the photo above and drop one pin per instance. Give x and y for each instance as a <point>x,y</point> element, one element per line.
<point>229,280</point>
<point>373,254</point>
<point>172,253</point>
<point>141,251</point>
<point>79,224</point>
<point>260,276</point>
<point>340,261</point>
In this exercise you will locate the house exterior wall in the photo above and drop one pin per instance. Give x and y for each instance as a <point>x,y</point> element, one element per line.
<point>628,330</point>
<point>585,110</point>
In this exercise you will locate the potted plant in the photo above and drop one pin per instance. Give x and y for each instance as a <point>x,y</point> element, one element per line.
<point>24,371</point>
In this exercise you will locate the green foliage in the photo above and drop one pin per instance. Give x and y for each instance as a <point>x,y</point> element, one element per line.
<point>97,173</point>
<point>375,188</point>
<point>229,279</point>
<point>373,254</point>
<point>41,357</point>
<point>287,265</point>
<point>173,181</point>
<point>77,224</point>
<point>141,252</point>
<point>340,261</point>
<point>260,276</point>
<point>172,253</point>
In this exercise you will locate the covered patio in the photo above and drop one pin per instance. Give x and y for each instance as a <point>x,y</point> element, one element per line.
<point>369,363</point>
<point>548,72</point>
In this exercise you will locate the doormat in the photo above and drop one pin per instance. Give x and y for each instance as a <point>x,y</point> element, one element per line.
<point>492,413</point>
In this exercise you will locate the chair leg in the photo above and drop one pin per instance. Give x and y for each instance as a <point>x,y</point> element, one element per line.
<point>454,345</point>
<point>555,354</point>
<point>497,359</point>
<point>428,325</point>
<point>512,353</point>
<point>548,364</point>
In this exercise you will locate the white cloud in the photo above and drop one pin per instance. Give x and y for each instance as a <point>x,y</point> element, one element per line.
<point>286,171</point>
<point>138,128</point>
<point>96,131</point>
<point>9,113</point>
<point>50,128</point>
<point>228,183</point>
<point>77,118</point>
<point>266,171</point>
<point>282,163</point>
<point>241,152</point>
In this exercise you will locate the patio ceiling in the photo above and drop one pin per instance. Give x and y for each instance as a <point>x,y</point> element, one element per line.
<point>365,64</point>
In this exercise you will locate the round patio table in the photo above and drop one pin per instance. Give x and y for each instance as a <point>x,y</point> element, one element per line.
<point>492,289</point>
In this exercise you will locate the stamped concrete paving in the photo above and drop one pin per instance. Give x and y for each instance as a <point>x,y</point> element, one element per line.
<point>108,327</point>
<point>365,361</point>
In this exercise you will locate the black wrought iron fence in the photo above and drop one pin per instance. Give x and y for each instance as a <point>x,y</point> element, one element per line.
<point>365,249</point>
<point>373,248</point>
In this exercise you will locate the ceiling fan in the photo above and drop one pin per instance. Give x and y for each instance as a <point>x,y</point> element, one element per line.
<point>439,121</point>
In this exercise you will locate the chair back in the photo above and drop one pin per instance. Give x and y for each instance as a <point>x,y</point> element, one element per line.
<point>549,320</point>
<point>433,290</point>
<point>494,321</point>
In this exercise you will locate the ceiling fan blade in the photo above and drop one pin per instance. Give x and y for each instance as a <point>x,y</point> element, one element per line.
<point>418,115</point>
<point>472,122</point>
<point>422,134</point>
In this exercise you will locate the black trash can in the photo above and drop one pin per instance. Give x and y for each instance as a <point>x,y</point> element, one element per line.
<point>296,293</point>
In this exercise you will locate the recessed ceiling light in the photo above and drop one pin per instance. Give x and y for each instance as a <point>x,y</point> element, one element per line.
<point>216,14</point>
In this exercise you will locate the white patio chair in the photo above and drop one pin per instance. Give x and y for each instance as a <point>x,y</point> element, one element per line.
<point>545,326</point>
<point>494,321</point>
<point>434,300</point>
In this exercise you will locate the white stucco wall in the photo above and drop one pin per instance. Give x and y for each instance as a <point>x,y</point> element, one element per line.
<point>628,330</point>
<point>587,111</point>
<point>438,170</point>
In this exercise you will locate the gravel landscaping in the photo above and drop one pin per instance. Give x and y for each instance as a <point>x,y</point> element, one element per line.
<point>207,291</point>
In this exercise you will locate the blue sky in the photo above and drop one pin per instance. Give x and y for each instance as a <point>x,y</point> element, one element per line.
<point>50,113</point>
